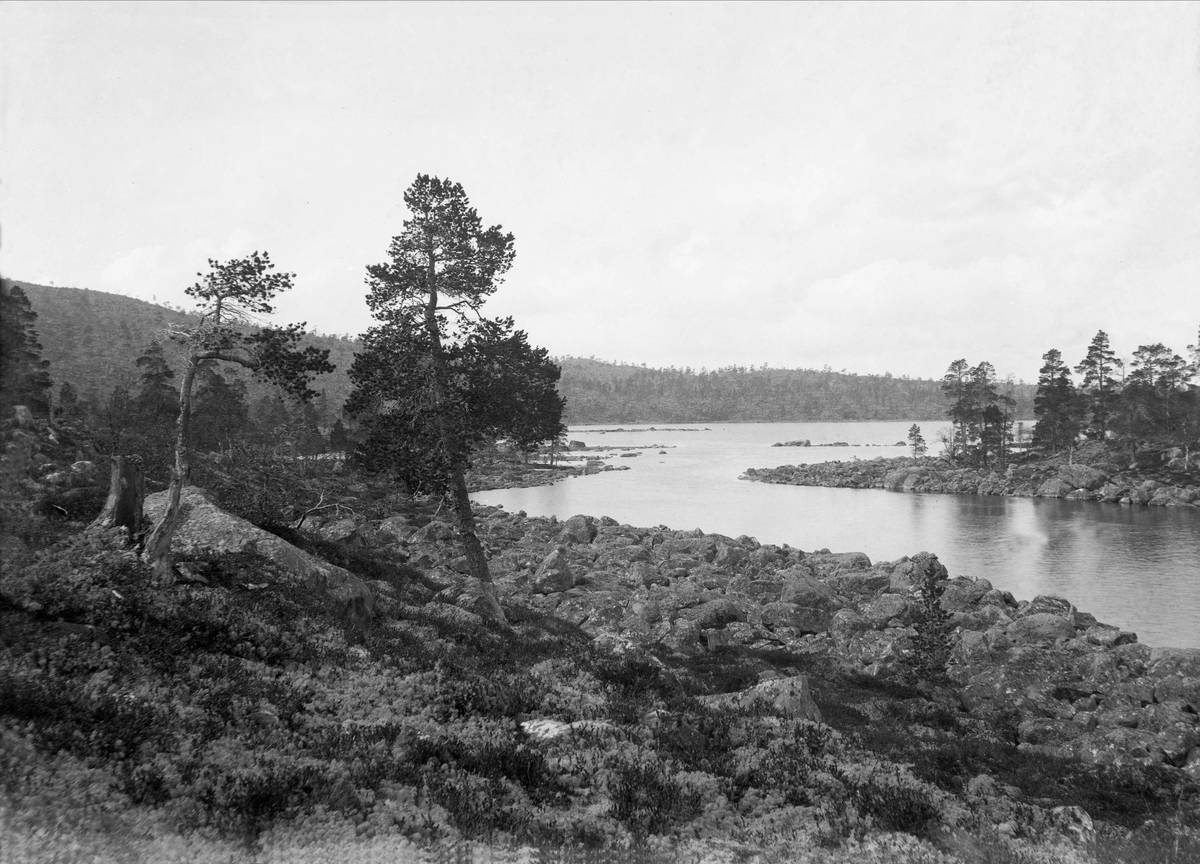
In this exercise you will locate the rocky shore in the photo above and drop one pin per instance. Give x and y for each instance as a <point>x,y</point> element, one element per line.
<point>1078,687</point>
<point>1161,480</point>
<point>503,474</point>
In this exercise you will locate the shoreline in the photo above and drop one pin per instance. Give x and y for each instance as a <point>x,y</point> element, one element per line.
<point>1090,476</point>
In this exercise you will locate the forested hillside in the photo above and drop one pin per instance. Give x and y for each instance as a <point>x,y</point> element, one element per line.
<point>93,339</point>
<point>599,392</point>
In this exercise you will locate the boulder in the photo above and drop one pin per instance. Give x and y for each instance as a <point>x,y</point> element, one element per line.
<point>1083,476</point>
<point>803,619</point>
<point>761,590</point>
<point>1055,487</point>
<point>1050,604</point>
<point>714,614</point>
<point>804,590</point>
<point>885,607</point>
<point>909,572</point>
<point>825,564</point>
<point>791,696</point>
<point>1040,628</point>
<point>554,574</point>
<point>578,529</point>
<point>397,528</point>
<point>205,528</point>
<point>339,530</point>
<point>846,624</point>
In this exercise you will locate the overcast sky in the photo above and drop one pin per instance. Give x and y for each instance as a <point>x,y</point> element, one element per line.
<point>870,187</point>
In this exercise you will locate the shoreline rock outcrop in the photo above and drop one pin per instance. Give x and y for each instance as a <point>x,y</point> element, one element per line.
<point>1051,478</point>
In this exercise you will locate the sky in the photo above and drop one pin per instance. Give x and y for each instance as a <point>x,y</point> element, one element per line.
<point>865,186</point>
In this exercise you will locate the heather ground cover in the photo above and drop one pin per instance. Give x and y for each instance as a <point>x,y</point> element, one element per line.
<point>237,717</point>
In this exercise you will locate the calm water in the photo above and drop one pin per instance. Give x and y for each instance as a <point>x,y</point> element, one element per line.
<point>1136,567</point>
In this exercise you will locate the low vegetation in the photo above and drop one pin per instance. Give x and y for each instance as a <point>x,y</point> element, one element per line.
<point>237,718</point>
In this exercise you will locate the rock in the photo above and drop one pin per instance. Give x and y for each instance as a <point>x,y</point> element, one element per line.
<point>729,556</point>
<point>825,564</point>
<point>962,595</point>
<point>802,619</point>
<point>791,696</point>
<point>1107,636</point>
<point>846,624</point>
<point>554,574</point>
<point>972,647</point>
<point>23,416</point>
<point>761,590</point>
<point>1082,476</point>
<point>907,573</point>
<point>398,528</point>
<point>578,529</point>
<point>1074,823</point>
<point>1055,487</point>
<point>1050,604</point>
<point>859,584</point>
<point>714,614</point>
<point>804,590</point>
<point>204,528</point>
<point>1040,628</point>
<point>339,530</point>
<point>886,607</point>
<point>1177,689</point>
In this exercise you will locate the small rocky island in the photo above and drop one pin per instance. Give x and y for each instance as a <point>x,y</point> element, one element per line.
<point>1092,473</point>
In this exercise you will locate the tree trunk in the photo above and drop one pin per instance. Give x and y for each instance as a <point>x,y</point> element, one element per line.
<point>459,497</point>
<point>158,545</point>
<point>126,492</point>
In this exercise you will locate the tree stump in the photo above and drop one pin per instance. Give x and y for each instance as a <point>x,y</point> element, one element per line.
<point>126,492</point>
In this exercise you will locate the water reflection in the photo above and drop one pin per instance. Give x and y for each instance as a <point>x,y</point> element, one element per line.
<point>1136,567</point>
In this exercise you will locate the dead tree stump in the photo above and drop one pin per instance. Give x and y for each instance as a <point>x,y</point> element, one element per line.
<point>126,492</point>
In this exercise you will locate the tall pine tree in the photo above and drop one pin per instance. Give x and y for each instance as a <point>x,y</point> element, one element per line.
<point>1056,405</point>
<point>1099,385</point>
<point>24,379</point>
<point>435,379</point>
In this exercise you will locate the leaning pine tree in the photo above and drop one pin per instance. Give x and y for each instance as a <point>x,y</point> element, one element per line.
<point>435,379</point>
<point>230,300</point>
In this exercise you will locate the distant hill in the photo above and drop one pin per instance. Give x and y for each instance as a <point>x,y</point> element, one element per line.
<point>599,392</point>
<point>93,338</point>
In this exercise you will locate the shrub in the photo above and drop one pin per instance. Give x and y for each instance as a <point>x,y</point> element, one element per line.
<point>646,799</point>
<point>931,644</point>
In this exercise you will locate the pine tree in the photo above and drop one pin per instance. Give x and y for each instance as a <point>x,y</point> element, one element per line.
<point>156,400</point>
<point>338,439</point>
<point>220,415</point>
<point>435,379</point>
<point>1056,405</point>
<point>1099,385</point>
<point>24,379</point>
<point>1155,402</point>
<point>917,441</point>
<point>231,297</point>
<point>69,407</point>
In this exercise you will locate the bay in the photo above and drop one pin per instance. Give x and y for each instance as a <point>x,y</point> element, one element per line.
<point>1133,566</point>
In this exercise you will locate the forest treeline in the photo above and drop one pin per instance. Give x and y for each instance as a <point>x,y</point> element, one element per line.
<point>92,339</point>
<point>599,392</point>
<point>1150,400</point>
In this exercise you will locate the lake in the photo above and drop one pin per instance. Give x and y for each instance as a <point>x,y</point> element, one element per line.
<point>1133,566</point>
